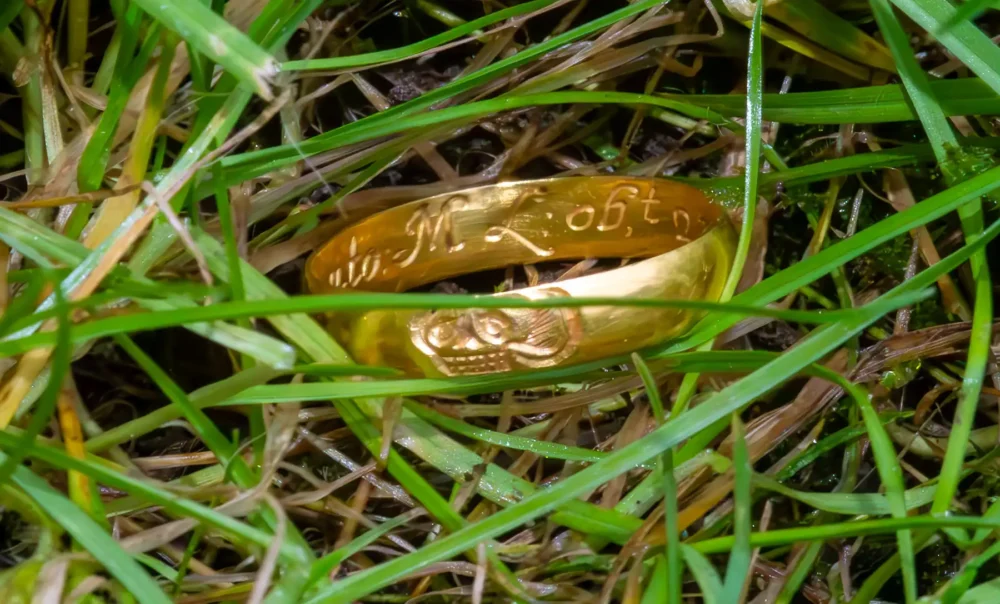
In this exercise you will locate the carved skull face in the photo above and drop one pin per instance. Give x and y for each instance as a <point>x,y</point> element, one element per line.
<point>477,341</point>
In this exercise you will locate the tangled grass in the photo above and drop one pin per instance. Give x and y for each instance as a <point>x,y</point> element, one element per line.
<point>178,426</point>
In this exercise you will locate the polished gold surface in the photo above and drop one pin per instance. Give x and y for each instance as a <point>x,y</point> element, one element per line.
<point>687,241</point>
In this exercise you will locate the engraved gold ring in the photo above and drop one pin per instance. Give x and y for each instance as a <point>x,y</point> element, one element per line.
<point>686,244</point>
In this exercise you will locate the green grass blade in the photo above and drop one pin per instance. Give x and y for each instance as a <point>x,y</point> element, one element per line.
<point>958,586</point>
<point>984,593</point>
<point>871,104</point>
<point>275,155</point>
<point>840,530</point>
<point>23,305</point>
<point>944,144</point>
<point>819,24</point>
<point>967,11</point>
<point>851,504</point>
<point>972,384</point>
<point>906,155</point>
<point>225,450</point>
<point>113,476</point>
<point>665,472</point>
<point>657,585</point>
<point>828,443</point>
<point>549,450</point>
<point>264,348</point>
<point>964,39</point>
<point>127,71</point>
<point>203,397</point>
<point>915,81</point>
<point>892,477</point>
<point>216,38</point>
<point>204,427</point>
<point>9,12</point>
<point>322,567</point>
<point>755,86</point>
<point>797,576</point>
<point>228,234</point>
<point>90,536</point>
<point>408,477</point>
<point>712,589</point>
<point>46,405</point>
<point>723,403</point>
<point>41,244</point>
<point>205,320</point>
<point>833,256</point>
<point>238,168</point>
<point>738,567</point>
<point>406,52</point>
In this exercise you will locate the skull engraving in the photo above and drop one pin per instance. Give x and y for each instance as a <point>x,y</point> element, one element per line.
<point>484,340</point>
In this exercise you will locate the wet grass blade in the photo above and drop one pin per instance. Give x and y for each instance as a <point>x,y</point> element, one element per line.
<point>277,156</point>
<point>851,504</point>
<point>967,11</point>
<point>543,448</point>
<point>712,589</point>
<point>915,81</point>
<point>731,399</point>
<point>674,570</point>
<point>738,567</point>
<point>964,39</point>
<point>875,104</point>
<point>950,158</point>
<point>127,71</point>
<point>121,565</point>
<point>9,12</point>
<point>423,439</point>
<point>44,245</point>
<point>114,476</point>
<point>821,25</point>
<point>178,311</point>
<point>797,576</point>
<point>839,530</point>
<point>755,85</point>
<point>213,36</point>
<point>958,586</point>
<point>810,269</point>
<point>46,405</point>
<point>892,477</point>
<point>407,52</point>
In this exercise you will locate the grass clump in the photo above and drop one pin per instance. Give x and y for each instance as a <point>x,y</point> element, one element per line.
<point>177,426</point>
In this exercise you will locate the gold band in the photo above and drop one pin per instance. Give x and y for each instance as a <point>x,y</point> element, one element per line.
<point>690,239</point>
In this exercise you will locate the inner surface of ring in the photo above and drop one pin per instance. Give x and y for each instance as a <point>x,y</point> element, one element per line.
<point>509,224</point>
<point>690,241</point>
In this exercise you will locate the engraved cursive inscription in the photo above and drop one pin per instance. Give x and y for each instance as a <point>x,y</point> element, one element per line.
<point>588,218</point>
<point>495,234</point>
<point>648,202</point>
<point>682,217</point>
<point>615,206</point>
<point>613,211</point>
<point>358,268</point>
<point>432,230</point>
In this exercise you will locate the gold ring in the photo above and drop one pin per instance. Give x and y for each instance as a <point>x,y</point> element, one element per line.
<point>688,244</point>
